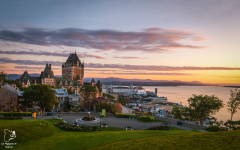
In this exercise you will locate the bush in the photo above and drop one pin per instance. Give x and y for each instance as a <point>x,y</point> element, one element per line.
<point>82,128</point>
<point>213,129</point>
<point>120,115</point>
<point>147,118</point>
<point>159,128</point>
<point>88,119</point>
<point>11,118</point>
<point>65,110</point>
<point>16,114</point>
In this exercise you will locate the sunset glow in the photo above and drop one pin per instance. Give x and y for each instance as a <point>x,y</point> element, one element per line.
<point>161,40</point>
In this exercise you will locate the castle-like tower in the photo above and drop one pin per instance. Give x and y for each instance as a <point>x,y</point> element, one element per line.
<point>73,68</point>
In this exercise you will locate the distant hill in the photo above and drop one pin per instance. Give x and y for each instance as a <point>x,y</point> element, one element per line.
<point>122,81</point>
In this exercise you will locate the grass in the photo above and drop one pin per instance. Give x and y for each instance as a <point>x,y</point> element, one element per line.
<point>42,134</point>
<point>112,129</point>
<point>211,141</point>
<point>139,120</point>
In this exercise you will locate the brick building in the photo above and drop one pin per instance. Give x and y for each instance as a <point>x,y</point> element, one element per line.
<point>8,98</point>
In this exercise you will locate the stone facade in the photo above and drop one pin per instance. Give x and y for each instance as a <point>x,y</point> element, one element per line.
<point>46,77</point>
<point>73,68</point>
<point>8,100</point>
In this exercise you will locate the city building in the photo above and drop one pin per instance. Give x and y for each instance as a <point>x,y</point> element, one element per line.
<point>73,68</point>
<point>46,77</point>
<point>62,97</point>
<point>9,96</point>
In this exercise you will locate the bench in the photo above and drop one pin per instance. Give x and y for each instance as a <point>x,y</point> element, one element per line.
<point>131,117</point>
<point>166,124</point>
<point>129,128</point>
<point>59,117</point>
<point>64,121</point>
<point>75,123</point>
<point>104,125</point>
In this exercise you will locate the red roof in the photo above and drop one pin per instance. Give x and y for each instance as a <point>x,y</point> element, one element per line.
<point>100,99</point>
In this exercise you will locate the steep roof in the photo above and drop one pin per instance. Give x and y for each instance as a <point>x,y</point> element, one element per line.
<point>47,71</point>
<point>92,81</point>
<point>73,58</point>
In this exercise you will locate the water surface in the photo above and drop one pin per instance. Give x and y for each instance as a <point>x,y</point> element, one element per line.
<point>182,93</point>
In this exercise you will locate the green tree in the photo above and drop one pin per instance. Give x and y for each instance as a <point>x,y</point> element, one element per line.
<point>108,95</point>
<point>120,100</point>
<point>234,102</point>
<point>3,79</point>
<point>104,105</point>
<point>178,112</point>
<point>204,106</point>
<point>88,92</point>
<point>43,95</point>
<point>69,90</point>
<point>18,84</point>
<point>28,96</point>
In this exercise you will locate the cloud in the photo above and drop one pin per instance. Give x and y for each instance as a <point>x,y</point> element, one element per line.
<point>30,62</point>
<point>146,73</point>
<point>45,53</point>
<point>126,57</point>
<point>117,66</point>
<point>155,68</point>
<point>27,67</point>
<point>152,40</point>
<point>2,67</point>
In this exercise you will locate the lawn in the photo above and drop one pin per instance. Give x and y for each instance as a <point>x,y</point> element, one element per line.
<point>42,134</point>
<point>210,141</point>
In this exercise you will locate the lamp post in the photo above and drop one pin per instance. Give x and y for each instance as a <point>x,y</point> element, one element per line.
<point>100,121</point>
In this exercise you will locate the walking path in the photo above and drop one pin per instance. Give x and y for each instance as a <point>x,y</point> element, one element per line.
<point>116,122</point>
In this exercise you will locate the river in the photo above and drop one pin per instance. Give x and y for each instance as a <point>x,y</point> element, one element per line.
<point>179,94</point>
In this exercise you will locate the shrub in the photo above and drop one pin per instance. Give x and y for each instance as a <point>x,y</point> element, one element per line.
<point>214,129</point>
<point>120,115</point>
<point>82,128</point>
<point>147,118</point>
<point>65,110</point>
<point>159,128</point>
<point>11,118</point>
<point>88,119</point>
<point>16,114</point>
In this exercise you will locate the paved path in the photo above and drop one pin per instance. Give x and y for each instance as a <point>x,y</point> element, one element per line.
<point>116,122</point>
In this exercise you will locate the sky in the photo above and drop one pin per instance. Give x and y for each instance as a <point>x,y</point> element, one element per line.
<point>182,40</point>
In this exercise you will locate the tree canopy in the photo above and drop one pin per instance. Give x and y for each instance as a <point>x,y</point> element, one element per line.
<point>104,105</point>
<point>108,95</point>
<point>88,92</point>
<point>204,106</point>
<point>234,102</point>
<point>120,100</point>
<point>3,79</point>
<point>42,94</point>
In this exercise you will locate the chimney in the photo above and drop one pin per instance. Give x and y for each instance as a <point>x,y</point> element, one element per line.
<point>49,66</point>
<point>156,91</point>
